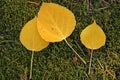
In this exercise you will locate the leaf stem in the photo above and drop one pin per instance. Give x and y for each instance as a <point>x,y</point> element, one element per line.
<point>90,61</point>
<point>75,52</point>
<point>31,65</point>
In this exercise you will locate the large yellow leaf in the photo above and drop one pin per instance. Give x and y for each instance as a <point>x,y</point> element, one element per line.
<point>93,36</point>
<point>55,22</point>
<point>30,37</point>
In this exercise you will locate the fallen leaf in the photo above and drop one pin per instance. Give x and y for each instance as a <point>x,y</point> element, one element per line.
<point>93,36</point>
<point>30,37</point>
<point>55,22</point>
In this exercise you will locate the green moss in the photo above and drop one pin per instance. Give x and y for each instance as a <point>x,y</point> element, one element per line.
<point>55,62</point>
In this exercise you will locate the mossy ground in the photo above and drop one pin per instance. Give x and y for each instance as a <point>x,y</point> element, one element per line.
<point>55,62</point>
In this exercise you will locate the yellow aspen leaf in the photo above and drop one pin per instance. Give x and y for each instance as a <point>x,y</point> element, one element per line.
<point>30,37</point>
<point>55,23</point>
<point>93,36</point>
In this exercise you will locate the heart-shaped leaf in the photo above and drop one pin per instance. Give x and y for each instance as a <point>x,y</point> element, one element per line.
<point>30,37</point>
<point>55,22</point>
<point>93,36</point>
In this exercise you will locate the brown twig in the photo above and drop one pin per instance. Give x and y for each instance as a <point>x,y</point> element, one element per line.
<point>36,3</point>
<point>80,48</point>
<point>109,72</point>
<point>100,63</point>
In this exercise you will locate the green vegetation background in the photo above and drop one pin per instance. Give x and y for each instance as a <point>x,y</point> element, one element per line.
<point>55,62</point>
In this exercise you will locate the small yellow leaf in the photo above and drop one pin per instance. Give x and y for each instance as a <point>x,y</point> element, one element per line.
<point>93,36</point>
<point>30,37</point>
<point>55,22</point>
